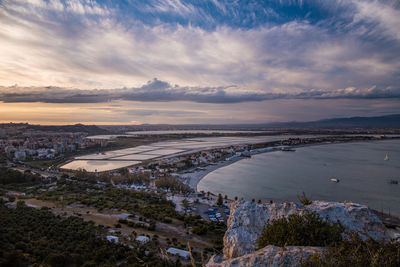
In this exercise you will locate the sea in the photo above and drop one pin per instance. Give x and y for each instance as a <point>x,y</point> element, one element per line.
<point>364,175</point>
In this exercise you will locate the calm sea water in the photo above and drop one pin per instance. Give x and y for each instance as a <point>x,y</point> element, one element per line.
<point>364,175</point>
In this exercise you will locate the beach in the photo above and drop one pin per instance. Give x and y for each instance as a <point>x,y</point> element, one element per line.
<point>193,178</point>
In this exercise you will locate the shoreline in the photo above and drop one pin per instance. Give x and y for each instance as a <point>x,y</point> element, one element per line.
<point>193,178</point>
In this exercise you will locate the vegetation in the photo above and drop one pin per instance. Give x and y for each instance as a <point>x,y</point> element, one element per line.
<point>358,253</point>
<point>147,209</point>
<point>311,230</point>
<point>141,178</point>
<point>220,201</point>
<point>76,128</point>
<point>124,177</point>
<point>44,163</point>
<point>304,199</point>
<point>300,230</point>
<point>203,228</point>
<point>37,237</point>
<point>151,206</point>
<point>3,158</point>
<point>185,204</point>
<point>10,176</point>
<point>171,183</point>
<point>83,175</point>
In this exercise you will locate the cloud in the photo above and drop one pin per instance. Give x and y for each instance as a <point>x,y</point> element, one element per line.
<point>383,17</point>
<point>249,53</point>
<point>72,6</point>
<point>157,90</point>
<point>175,6</point>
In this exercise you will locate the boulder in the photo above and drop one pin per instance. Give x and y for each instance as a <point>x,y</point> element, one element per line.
<point>271,256</point>
<point>247,220</point>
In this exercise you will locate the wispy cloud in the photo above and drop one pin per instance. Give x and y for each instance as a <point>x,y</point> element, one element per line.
<point>383,17</point>
<point>201,51</point>
<point>73,6</point>
<point>175,6</point>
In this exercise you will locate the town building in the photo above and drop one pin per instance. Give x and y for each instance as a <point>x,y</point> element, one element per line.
<point>113,239</point>
<point>142,239</point>
<point>179,252</point>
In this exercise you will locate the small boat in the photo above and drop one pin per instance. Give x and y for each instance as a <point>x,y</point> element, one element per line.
<point>386,157</point>
<point>393,182</point>
<point>335,180</point>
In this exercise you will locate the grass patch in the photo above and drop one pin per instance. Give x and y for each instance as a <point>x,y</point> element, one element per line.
<point>43,164</point>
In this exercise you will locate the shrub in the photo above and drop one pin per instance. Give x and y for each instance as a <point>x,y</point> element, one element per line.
<point>304,199</point>
<point>11,198</point>
<point>123,221</point>
<point>199,230</point>
<point>355,252</point>
<point>300,230</point>
<point>152,226</point>
<point>166,220</point>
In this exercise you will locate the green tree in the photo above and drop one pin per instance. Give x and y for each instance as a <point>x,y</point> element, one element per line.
<point>11,198</point>
<point>185,204</point>
<point>220,201</point>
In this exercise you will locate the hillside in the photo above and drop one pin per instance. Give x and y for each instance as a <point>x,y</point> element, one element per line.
<point>389,121</point>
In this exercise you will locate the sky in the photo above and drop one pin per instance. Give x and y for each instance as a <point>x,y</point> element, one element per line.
<point>208,61</point>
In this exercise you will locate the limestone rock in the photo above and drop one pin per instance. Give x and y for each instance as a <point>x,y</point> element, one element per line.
<point>247,220</point>
<point>270,256</point>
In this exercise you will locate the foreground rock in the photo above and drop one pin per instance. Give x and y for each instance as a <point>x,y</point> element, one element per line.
<point>248,219</point>
<point>269,256</point>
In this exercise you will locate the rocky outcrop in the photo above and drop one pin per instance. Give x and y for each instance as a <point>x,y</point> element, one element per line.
<point>270,256</point>
<point>247,220</point>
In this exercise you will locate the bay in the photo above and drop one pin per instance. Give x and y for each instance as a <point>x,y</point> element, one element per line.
<point>281,176</point>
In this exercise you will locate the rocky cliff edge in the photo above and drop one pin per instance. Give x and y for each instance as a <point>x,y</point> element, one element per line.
<point>247,220</point>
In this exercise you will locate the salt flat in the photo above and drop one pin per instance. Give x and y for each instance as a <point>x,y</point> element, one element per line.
<point>136,157</point>
<point>98,165</point>
<point>130,156</point>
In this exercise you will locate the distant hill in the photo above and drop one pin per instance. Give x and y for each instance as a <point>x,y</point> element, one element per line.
<point>389,121</point>
<point>90,129</point>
